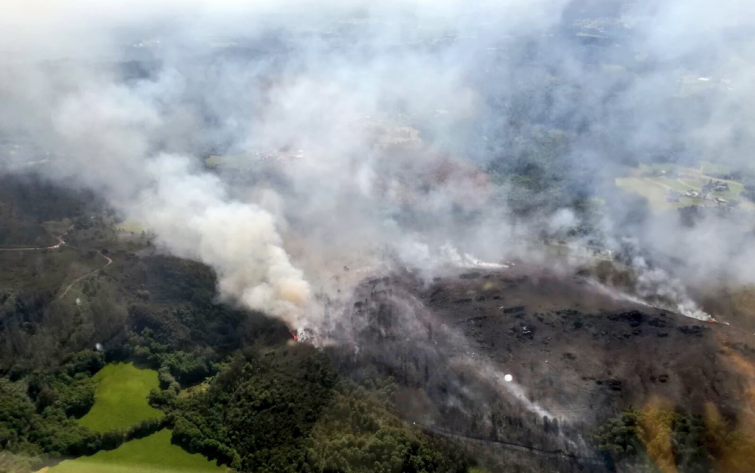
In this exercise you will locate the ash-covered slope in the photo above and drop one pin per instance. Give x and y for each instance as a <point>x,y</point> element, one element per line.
<point>576,358</point>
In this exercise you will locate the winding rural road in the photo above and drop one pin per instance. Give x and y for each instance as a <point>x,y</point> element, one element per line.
<point>529,449</point>
<point>73,283</point>
<point>61,242</point>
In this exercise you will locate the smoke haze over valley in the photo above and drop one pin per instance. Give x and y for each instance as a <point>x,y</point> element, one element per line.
<point>340,165</point>
<point>407,119</point>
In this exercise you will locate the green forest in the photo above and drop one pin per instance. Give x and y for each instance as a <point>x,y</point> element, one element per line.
<point>230,384</point>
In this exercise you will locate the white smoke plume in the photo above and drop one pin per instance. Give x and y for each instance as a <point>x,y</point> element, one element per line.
<point>666,292</point>
<point>194,218</point>
<point>394,126</point>
<point>655,288</point>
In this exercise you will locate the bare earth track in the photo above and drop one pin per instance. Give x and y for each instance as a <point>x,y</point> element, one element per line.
<point>60,243</point>
<point>68,288</point>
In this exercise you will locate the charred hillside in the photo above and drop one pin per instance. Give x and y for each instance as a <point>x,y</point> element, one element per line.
<point>576,357</point>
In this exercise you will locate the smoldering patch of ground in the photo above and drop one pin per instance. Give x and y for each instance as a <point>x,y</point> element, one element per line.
<point>576,355</point>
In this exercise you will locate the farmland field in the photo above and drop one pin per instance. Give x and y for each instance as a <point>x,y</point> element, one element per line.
<point>655,182</point>
<point>708,167</point>
<point>121,398</point>
<point>654,190</point>
<point>153,454</point>
<point>132,226</point>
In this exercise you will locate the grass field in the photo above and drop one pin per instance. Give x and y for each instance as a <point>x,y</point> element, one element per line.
<point>121,398</point>
<point>651,182</point>
<point>653,190</point>
<point>153,454</point>
<point>715,168</point>
<point>132,226</point>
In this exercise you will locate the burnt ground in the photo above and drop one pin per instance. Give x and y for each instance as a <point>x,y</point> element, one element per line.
<point>576,355</point>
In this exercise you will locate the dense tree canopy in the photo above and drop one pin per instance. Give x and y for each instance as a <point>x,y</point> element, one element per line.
<point>287,410</point>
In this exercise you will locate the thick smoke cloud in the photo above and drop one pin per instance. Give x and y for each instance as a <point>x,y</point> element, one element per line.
<point>239,240</point>
<point>386,116</point>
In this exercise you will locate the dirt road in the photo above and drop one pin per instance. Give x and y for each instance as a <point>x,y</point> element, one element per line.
<point>68,288</point>
<point>61,242</point>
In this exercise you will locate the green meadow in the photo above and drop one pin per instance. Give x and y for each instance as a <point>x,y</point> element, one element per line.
<point>121,398</point>
<point>654,182</point>
<point>153,454</point>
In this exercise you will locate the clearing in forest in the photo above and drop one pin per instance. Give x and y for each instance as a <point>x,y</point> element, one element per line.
<point>153,454</point>
<point>121,398</point>
<point>658,182</point>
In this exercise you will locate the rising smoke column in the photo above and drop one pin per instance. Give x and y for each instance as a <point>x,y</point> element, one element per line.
<point>193,217</point>
<point>231,77</point>
<point>107,136</point>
